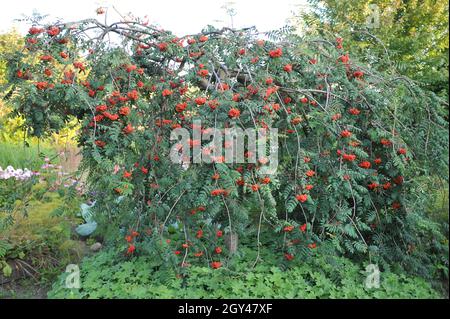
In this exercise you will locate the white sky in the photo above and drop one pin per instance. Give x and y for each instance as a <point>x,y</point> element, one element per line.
<point>178,16</point>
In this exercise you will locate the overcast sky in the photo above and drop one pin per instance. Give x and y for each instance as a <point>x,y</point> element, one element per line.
<point>181,17</point>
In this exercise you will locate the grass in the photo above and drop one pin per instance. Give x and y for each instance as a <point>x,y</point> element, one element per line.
<point>21,156</point>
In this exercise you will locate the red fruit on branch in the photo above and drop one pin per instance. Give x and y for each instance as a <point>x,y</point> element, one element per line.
<point>32,41</point>
<point>127,174</point>
<point>180,107</point>
<point>336,117</point>
<point>296,120</point>
<point>163,46</point>
<point>354,111</point>
<point>124,111</point>
<point>203,73</point>
<point>216,264</point>
<point>131,68</point>
<point>42,85</point>
<point>385,142</point>
<point>302,198</point>
<point>344,58</point>
<point>200,100</point>
<point>401,151</point>
<point>365,164</point>
<point>349,157</point>
<point>288,257</point>
<point>303,228</point>
<point>131,249</point>
<point>100,10</point>
<point>346,133</point>
<point>53,31</point>
<point>35,30</point>
<point>288,68</point>
<point>276,53</point>
<point>234,113</point>
<point>358,74</point>
<point>310,173</point>
<point>79,65</point>
<point>218,192</point>
<point>223,87</point>
<point>398,180</point>
<point>133,95</point>
<point>101,108</point>
<point>100,143</point>
<point>128,129</point>
<point>46,58</point>
<point>213,104</point>
<point>396,205</point>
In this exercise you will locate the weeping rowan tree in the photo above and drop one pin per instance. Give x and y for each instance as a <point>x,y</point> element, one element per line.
<point>352,143</point>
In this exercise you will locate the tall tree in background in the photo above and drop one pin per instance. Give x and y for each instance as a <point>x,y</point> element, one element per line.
<point>405,36</point>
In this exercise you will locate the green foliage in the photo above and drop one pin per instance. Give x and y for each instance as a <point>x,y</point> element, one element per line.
<point>9,42</point>
<point>425,232</point>
<point>14,197</point>
<point>36,229</point>
<point>408,36</point>
<point>322,277</point>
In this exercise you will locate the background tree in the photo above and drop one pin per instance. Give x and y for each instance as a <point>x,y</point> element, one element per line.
<point>407,36</point>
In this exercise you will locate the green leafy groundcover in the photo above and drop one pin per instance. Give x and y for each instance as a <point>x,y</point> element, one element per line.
<point>320,277</point>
